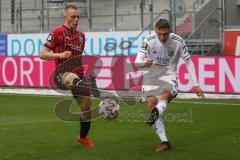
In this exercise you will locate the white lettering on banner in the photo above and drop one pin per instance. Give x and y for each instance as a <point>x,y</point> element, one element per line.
<point>4,69</point>
<point>204,74</point>
<point>104,83</point>
<point>132,77</point>
<point>215,74</point>
<point>237,51</point>
<point>104,62</point>
<point>22,71</point>
<point>26,72</point>
<point>227,73</point>
<point>103,68</point>
<point>40,70</point>
<point>104,72</point>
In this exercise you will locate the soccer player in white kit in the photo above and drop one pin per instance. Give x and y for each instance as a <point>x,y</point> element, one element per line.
<point>160,53</point>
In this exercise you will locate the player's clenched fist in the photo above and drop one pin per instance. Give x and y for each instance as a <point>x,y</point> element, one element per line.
<point>149,62</point>
<point>65,55</point>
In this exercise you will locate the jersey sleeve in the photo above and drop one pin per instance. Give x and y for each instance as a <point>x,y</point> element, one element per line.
<point>191,71</point>
<point>52,40</point>
<point>189,64</point>
<point>142,52</point>
<point>83,41</point>
<point>184,53</point>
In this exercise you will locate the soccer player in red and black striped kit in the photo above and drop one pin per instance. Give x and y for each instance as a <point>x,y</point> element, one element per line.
<point>65,45</point>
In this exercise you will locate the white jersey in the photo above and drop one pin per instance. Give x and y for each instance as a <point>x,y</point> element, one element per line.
<point>165,58</point>
<point>167,54</point>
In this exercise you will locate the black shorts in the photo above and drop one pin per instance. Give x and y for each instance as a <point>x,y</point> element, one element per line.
<point>76,91</point>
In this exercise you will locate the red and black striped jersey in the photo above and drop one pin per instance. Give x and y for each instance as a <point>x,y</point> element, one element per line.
<point>64,39</point>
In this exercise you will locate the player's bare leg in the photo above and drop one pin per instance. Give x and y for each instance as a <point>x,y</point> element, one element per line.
<point>157,105</point>
<point>71,80</point>
<point>82,98</point>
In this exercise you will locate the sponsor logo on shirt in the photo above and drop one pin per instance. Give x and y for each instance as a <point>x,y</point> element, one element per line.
<point>162,61</point>
<point>170,53</point>
<point>75,47</point>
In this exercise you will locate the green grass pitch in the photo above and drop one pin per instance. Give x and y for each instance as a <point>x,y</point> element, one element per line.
<point>30,130</point>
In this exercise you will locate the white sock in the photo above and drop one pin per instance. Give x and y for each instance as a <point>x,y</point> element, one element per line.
<point>160,130</point>
<point>159,125</point>
<point>142,99</point>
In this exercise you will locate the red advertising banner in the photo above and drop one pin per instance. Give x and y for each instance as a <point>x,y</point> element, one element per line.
<point>215,74</point>
<point>25,71</point>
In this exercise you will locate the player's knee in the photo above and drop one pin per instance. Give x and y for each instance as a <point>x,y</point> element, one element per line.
<point>152,102</point>
<point>68,78</point>
<point>166,95</point>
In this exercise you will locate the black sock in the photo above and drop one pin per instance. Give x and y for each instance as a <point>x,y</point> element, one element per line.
<point>84,128</point>
<point>166,143</point>
<point>77,82</point>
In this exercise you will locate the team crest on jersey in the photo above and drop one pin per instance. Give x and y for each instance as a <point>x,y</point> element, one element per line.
<point>144,46</point>
<point>49,38</point>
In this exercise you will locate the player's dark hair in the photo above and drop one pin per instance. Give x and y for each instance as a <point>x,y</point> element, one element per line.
<point>162,24</point>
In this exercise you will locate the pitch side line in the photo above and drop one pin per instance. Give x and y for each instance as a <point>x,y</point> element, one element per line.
<point>53,93</point>
<point>207,103</point>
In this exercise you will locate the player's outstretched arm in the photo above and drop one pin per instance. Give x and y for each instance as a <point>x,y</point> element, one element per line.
<point>191,71</point>
<point>47,54</point>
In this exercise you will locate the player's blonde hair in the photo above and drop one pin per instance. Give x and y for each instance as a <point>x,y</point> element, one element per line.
<point>69,6</point>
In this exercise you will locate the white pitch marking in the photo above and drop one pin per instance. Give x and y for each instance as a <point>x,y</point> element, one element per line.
<point>208,103</point>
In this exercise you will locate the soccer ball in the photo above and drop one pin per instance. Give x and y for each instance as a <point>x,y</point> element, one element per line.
<point>108,109</point>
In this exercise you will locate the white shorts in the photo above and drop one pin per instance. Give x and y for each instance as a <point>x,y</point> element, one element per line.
<point>153,84</point>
